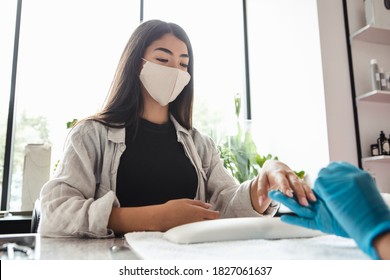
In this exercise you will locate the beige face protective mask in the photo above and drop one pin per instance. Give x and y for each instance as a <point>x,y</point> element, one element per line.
<point>163,83</point>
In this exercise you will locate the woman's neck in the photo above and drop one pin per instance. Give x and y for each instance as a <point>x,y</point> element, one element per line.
<point>154,112</point>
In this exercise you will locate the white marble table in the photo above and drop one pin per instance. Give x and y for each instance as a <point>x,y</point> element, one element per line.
<point>85,249</point>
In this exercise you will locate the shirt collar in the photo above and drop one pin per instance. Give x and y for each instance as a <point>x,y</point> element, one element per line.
<point>116,135</point>
<point>178,126</point>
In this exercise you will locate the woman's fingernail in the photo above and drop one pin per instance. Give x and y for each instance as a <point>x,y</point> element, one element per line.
<point>289,193</point>
<point>313,197</point>
<point>304,201</point>
<point>261,199</point>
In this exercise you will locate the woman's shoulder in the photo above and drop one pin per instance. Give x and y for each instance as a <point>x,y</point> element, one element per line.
<point>98,131</point>
<point>87,126</point>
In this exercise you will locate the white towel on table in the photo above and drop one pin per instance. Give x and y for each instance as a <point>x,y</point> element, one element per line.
<point>152,246</point>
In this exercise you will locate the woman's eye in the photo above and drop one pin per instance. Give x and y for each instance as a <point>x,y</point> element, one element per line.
<point>184,65</point>
<point>162,60</point>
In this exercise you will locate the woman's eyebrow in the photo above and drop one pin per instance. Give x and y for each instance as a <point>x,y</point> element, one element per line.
<point>169,52</point>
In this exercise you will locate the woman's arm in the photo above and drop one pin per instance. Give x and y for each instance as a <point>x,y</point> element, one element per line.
<point>159,217</point>
<point>74,202</point>
<point>223,190</point>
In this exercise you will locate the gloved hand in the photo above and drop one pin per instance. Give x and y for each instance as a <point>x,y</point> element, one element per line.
<point>315,216</point>
<point>352,197</point>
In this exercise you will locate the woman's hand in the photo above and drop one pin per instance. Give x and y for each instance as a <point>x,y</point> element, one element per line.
<point>276,175</point>
<point>182,211</point>
<point>159,217</point>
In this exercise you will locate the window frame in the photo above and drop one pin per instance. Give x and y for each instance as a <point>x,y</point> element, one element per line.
<point>7,171</point>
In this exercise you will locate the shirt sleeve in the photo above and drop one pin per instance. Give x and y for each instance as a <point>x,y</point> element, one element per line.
<point>225,193</point>
<point>68,203</point>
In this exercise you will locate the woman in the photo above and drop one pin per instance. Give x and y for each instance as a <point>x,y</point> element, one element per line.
<point>138,164</point>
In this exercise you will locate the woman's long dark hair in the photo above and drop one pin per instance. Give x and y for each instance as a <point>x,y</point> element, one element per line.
<point>124,103</point>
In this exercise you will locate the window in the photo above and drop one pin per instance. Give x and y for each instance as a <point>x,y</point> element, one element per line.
<point>219,56</point>
<point>68,55</point>
<point>287,93</point>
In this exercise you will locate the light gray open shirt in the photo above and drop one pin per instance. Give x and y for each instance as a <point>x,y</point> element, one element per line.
<point>78,199</point>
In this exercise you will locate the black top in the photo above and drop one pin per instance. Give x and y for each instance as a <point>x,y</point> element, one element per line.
<point>154,168</point>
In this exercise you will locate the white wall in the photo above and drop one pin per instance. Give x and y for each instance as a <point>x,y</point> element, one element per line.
<point>287,90</point>
<point>338,98</point>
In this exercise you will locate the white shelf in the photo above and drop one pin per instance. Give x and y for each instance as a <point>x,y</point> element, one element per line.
<point>380,96</point>
<point>376,159</point>
<point>372,34</point>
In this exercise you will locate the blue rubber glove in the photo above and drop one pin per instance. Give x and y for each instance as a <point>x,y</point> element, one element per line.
<point>315,216</point>
<point>352,196</point>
